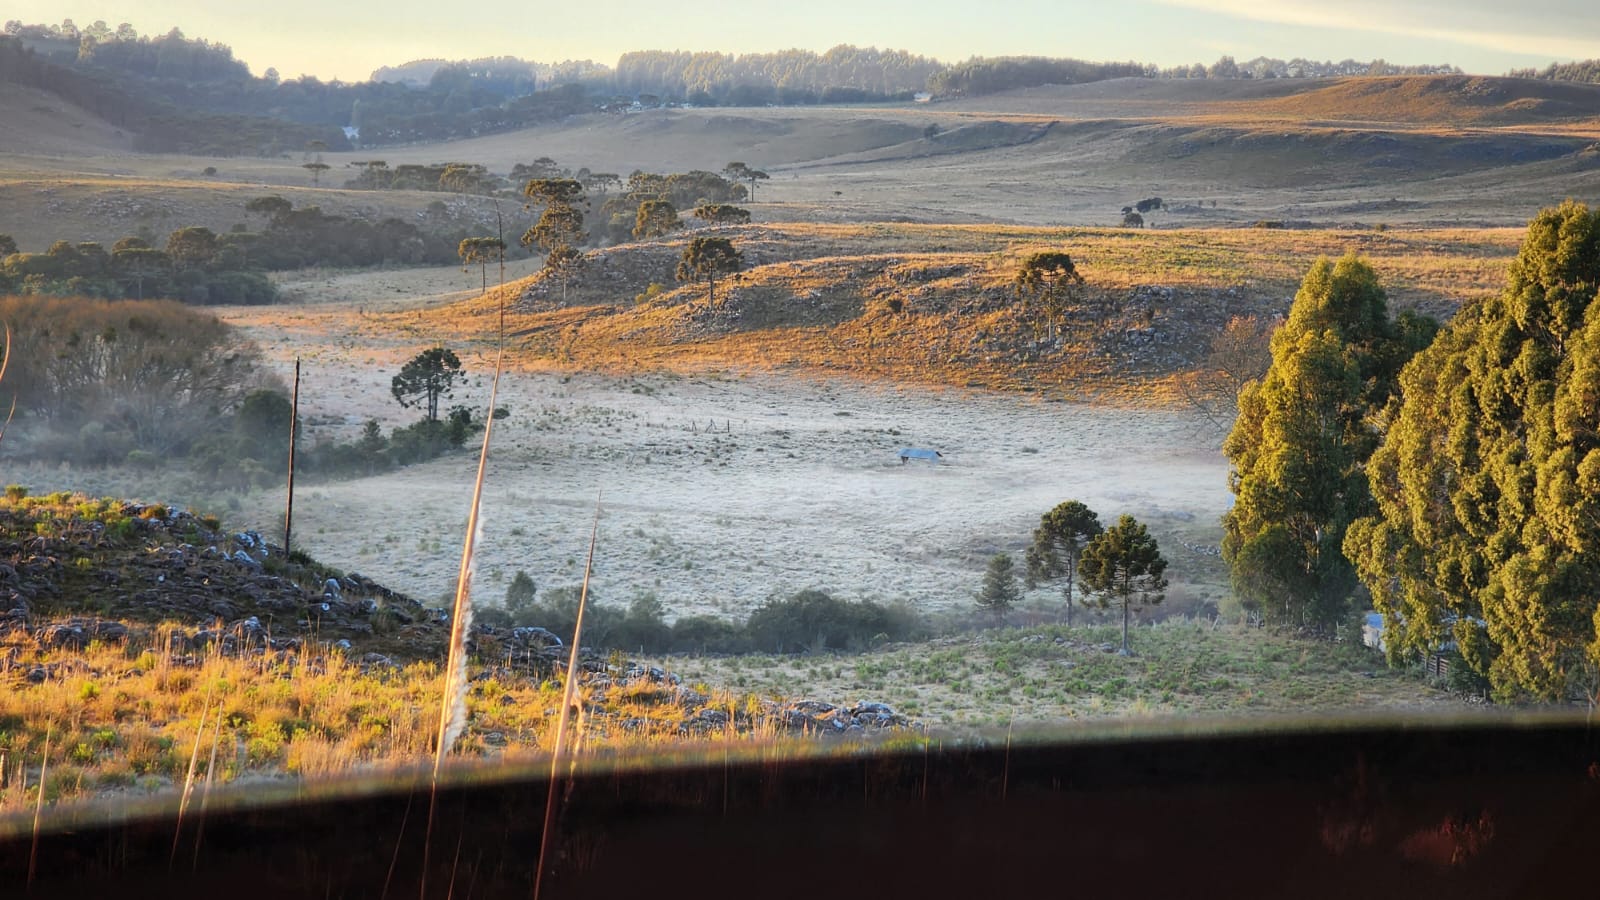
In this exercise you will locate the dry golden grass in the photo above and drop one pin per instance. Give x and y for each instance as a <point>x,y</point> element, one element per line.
<point>1444,101</point>
<point>124,718</point>
<point>824,302</point>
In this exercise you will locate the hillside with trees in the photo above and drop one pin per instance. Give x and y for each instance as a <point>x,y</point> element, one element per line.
<point>192,95</point>
<point>1583,70</point>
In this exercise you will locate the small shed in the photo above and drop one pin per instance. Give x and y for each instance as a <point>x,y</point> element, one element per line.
<point>932,456</point>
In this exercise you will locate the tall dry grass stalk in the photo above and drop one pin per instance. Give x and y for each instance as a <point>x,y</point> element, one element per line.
<point>38,810</point>
<point>453,702</point>
<point>188,776</point>
<point>568,691</point>
<point>205,792</point>
<point>5,361</point>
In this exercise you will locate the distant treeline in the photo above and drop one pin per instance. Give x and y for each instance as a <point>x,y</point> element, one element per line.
<point>157,124</point>
<point>1586,71</point>
<point>790,77</point>
<point>1267,67</point>
<point>194,96</point>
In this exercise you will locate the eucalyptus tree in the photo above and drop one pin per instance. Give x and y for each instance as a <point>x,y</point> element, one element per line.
<point>1486,530</point>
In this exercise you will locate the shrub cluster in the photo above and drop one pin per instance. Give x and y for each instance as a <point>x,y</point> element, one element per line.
<point>810,621</point>
<point>198,265</point>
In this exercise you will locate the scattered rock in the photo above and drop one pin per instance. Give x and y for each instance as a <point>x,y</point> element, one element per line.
<point>707,720</point>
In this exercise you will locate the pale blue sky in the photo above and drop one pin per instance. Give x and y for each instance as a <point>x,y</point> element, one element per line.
<point>349,39</point>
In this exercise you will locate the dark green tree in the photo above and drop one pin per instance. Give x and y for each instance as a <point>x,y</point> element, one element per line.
<point>520,596</point>
<point>563,263</point>
<point>559,225</point>
<point>8,245</point>
<point>464,178</point>
<point>271,206</point>
<point>1045,281</point>
<point>136,265</point>
<point>1123,565</point>
<point>552,191</point>
<point>722,214</point>
<point>655,219</point>
<point>316,169</point>
<point>481,250</point>
<point>425,378</point>
<point>1301,440</point>
<point>708,257</point>
<point>560,218</point>
<point>738,171</point>
<point>1487,481</point>
<point>192,248</point>
<point>1000,591</point>
<point>262,425</point>
<point>1058,545</point>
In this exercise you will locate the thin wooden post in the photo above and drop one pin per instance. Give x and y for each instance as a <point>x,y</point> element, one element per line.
<point>294,421</point>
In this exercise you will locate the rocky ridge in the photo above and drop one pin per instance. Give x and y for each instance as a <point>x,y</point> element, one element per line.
<point>169,579</point>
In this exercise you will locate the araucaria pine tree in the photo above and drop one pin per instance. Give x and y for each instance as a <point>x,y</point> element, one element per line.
<point>1124,565</point>
<point>1058,545</point>
<point>1000,591</point>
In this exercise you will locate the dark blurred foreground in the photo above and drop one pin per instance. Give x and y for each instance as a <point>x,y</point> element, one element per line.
<point>1475,809</point>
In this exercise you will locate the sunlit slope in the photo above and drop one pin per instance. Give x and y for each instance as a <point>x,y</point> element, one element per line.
<point>36,122</point>
<point>936,304</point>
<point>1442,101</point>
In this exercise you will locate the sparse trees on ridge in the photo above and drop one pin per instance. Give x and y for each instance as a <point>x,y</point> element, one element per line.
<point>563,263</point>
<point>708,257</point>
<point>481,250</point>
<point>721,214</point>
<point>738,171</point>
<point>1045,281</point>
<point>656,218</point>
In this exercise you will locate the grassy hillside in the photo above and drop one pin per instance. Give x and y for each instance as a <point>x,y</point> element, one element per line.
<point>1443,101</point>
<point>1439,151</point>
<point>936,304</point>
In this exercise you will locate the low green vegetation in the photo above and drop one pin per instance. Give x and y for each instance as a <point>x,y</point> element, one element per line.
<point>198,265</point>
<point>809,621</point>
<point>147,384</point>
<point>1054,674</point>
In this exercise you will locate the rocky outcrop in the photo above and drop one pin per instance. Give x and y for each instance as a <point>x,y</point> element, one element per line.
<point>189,592</point>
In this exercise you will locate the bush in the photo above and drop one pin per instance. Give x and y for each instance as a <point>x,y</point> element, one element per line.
<point>558,613</point>
<point>520,594</point>
<point>814,621</point>
<point>706,634</point>
<point>644,627</point>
